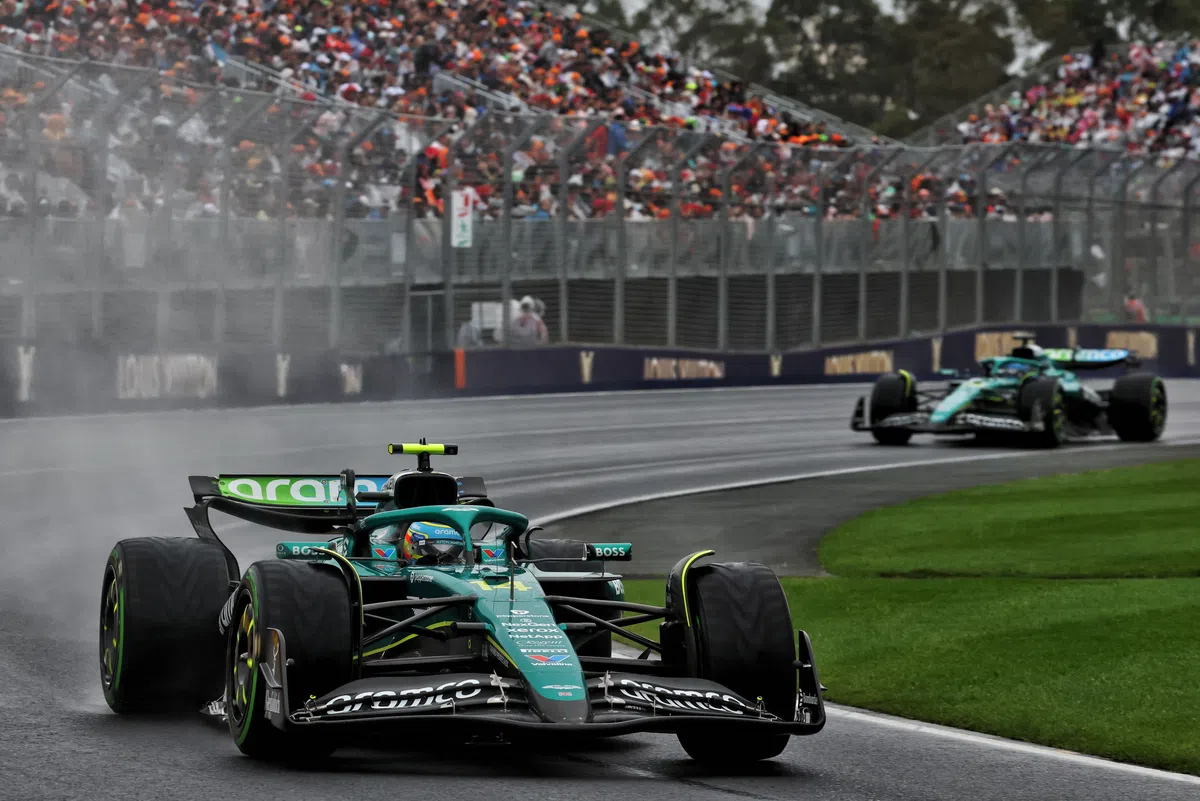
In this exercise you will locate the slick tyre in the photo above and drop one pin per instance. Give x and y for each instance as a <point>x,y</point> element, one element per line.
<point>1137,407</point>
<point>1042,398</point>
<point>310,605</point>
<point>744,641</point>
<point>160,649</point>
<point>895,393</point>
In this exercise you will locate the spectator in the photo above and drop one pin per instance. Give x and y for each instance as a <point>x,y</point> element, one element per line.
<point>527,327</point>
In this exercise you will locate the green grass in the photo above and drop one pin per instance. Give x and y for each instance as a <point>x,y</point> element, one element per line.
<point>1106,666</point>
<point>1142,521</point>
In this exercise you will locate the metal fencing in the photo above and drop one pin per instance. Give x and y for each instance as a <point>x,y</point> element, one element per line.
<point>141,208</point>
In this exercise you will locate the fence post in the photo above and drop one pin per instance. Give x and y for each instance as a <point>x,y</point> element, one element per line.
<point>1155,239</point>
<point>726,254</point>
<point>562,225</point>
<point>906,242</point>
<point>981,210</point>
<point>339,223</point>
<point>772,221</point>
<point>1058,232</point>
<point>1117,261</point>
<point>623,162</point>
<point>1018,310</point>
<point>1187,248</point>
<point>506,223</point>
<point>868,237</point>
<point>676,213</point>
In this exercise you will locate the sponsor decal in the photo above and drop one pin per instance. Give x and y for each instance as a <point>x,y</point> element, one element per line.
<point>564,694</point>
<point>810,700</point>
<point>293,490</point>
<point>656,368</point>
<point>862,363</point>
<point>519,612</point>
<point>1082,355</point>
<point>420,578</point>
<point>611,549</point>
<point>274,703</point>
<point>172,375</point>
<point>493,553</point>
<point>644,693</point>
<point>545,651</point>
<point>776,365</point>
<point>522,628</point>
<point>543,659</point>
<point>442,696</point>
<point>386,552</point>
<point>352,379</point>
<point>283,363</point>
<point>988,421</point>
<point>226,616</point>
<point>587,360</point>
<point>562,687</point>
<point>25,356</point>
<point>1143,343</point>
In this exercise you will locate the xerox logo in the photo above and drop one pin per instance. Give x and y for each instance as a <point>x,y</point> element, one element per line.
<point>543,659</point>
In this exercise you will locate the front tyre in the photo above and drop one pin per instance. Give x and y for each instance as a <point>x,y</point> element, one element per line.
<point>310,605</point>
<point>1137,407</point>
<point>744,641</point>
<point>895,393</point>
<point>1042,399</point>
<point>160,649</point>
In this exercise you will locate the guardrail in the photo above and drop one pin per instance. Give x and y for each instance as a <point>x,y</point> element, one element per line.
<point>60,378</point>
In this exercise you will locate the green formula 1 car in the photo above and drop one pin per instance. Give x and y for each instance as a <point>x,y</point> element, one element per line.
<point>1033,395</point>
<point>499,634</point>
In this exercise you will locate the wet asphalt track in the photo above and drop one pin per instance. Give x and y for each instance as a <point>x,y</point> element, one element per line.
<point>70,488</point>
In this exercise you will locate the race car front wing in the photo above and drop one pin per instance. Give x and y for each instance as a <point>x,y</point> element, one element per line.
<point>617,703</point>
<point>964,422</point>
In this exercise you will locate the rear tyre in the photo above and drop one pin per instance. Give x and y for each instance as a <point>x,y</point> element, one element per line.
<point>1042,399</point>
<point>310,605</point>
<point>744,641</point>
<point>160,650</point>
<point>1137,407</point>
<point>895,393</point>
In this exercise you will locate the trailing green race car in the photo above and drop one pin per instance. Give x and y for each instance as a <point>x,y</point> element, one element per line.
<point>1033,395</point>
<point>429,608</point>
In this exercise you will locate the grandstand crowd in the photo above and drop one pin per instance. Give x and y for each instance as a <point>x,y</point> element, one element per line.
<point>1143,99</point>
<point>337,65</point>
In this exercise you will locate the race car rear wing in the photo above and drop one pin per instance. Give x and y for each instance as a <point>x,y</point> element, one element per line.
<point>308,493</point>
<point>1091,358</point>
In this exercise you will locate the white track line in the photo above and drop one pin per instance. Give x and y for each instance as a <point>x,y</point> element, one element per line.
<point>849,713</point>
<point>580,511</point>
<point>890,721</point>
<point>988,741</point>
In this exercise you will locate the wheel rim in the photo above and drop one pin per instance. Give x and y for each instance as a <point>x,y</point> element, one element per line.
<point>1158,409</point>
<point>1058,417</point>
<point>242,655</point>
<point>111,630</point>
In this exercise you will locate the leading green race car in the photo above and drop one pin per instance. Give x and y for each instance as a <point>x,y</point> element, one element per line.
<point>483,631</point>
<point>1033,395</point>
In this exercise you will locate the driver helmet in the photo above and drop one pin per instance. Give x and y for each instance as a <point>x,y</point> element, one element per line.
<point>432,540</point>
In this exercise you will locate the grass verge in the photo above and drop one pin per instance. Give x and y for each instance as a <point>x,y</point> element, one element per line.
<point>996,642</point>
